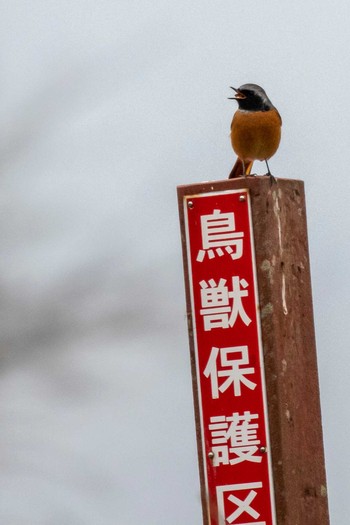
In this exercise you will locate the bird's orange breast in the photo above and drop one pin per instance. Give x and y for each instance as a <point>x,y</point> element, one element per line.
<point>255,135</point>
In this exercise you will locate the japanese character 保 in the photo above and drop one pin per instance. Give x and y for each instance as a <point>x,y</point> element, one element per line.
<point>229,363</point>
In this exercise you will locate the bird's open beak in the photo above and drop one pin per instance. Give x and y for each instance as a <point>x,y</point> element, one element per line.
<point>238,95</point>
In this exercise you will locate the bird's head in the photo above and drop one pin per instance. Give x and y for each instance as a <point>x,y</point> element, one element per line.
<point>251,97</point>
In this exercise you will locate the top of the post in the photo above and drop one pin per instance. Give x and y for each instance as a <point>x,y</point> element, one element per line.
<point>256,183</point>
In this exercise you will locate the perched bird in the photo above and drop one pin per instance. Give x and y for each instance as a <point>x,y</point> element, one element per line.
<point>255,129</point>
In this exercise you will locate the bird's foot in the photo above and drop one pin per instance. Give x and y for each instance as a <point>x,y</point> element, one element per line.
<point>272,178</point>
<point>269,174</point>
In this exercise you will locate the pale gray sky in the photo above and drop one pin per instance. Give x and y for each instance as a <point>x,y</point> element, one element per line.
<point>106,107</point>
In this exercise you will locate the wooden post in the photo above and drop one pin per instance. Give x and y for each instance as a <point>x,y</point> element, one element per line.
<point>288,338</point>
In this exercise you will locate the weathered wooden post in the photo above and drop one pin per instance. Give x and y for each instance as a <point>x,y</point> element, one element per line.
<point>253,354</point>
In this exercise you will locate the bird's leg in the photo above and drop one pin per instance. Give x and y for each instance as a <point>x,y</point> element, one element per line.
<point>243,166</point>
<point>272,178</point>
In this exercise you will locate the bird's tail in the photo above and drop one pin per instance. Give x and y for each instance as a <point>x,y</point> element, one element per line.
<point>237,170</point>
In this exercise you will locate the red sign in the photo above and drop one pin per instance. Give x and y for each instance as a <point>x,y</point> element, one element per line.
<point>229,361</point>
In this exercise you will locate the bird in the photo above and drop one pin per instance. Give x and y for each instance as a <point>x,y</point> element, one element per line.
<point>255,129</point>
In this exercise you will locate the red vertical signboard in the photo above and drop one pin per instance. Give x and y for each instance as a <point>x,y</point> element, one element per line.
<point>231,395</point>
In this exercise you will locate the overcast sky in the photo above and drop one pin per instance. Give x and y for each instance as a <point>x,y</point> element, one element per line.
<point>106,106</point>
